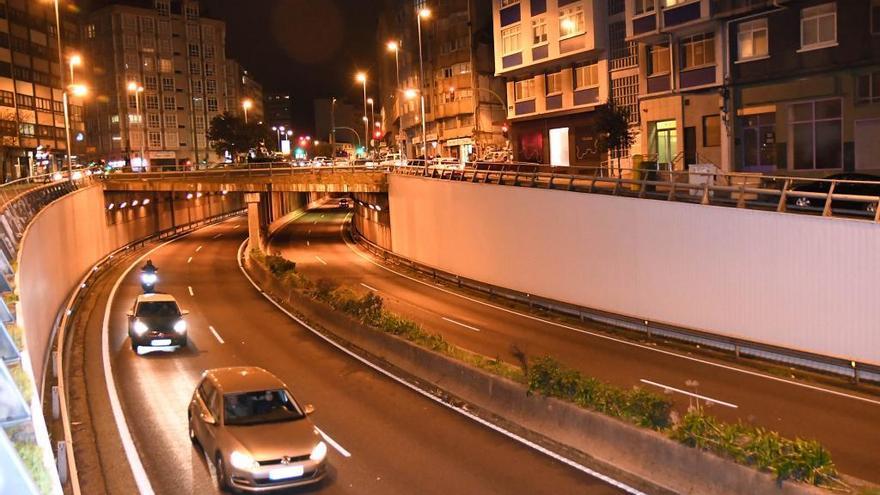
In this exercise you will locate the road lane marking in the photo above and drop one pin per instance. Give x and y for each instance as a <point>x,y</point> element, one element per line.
<point>690,394</point>
<point>432,397</point>
<point>370,288</point>
<point>308,243</point>
<point>217,335</point>
<point>217,236</point>
<point>189,260</point>
<point>191,293</point>
<point>320,259</point>
<point>450,320</point>
<point>199,249</point>
<point>332,442</point>
<point>756,374</point>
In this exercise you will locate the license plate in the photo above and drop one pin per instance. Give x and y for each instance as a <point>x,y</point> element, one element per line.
<point>285,473</point>
<point>160,342</point>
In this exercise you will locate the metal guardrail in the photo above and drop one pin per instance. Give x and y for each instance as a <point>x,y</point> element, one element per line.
<point>73,303</point>
<point>652,329</point>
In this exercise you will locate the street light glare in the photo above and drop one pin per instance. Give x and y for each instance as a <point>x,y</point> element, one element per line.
<point>75,59</point>
<point>393,46</point>
<point>410,94</point>
<point>361,77</point>
<point>247,104</point>
<point>369,101</point>
<point>78,90</point>
<point>425,13</point>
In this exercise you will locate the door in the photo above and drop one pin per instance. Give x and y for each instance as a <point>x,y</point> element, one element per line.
<point>867,145</point>
<point>559,156</point>
<point>665,143</point>
<point>690,145</point>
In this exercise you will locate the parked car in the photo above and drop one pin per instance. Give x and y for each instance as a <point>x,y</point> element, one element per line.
<point>255,434</point>
<point>393,160</point>
<point>868,185</point>
<point>446,163</point>
<point>321,161</point>
<point>156,320</point>
<point>496,157</point>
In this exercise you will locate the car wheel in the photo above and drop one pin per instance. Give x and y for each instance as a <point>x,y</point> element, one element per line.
<point>134,346</point>
<point>192,431</point>
<point>219,473</point>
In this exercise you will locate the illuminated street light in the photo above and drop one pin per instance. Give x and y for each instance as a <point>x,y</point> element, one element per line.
<point>247,104</point>
<point>410,93</point>
<point>423,14</point>
<point>394,46</point>
<point>362,78</point>
<point>137,89</point>
<point>78,90</point>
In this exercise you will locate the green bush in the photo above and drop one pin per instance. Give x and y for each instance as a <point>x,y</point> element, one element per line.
<point>550,378</point>
<point>279,266</point>
<point>32,457</point>
<point>801,460</point>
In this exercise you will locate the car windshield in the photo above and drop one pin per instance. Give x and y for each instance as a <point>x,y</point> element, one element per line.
<point>155,309</point>
<point>252,408</point>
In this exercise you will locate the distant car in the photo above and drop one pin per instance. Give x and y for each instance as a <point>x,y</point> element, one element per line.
<point>496,157</point>
<point>446,163</point>
<point>392,160</point>
<point>156,320</point>
<point>340,162</point>
<point>853,188</point>
<point>255,434</point>
<point>321,161</point>
<point>344,203</point>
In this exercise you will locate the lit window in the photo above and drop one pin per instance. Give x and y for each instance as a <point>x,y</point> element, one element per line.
<point>154,139</point>
<point>586,76</point>
<point>571,21</point>
<point>539,31</point>
<point>525,89</point>
<point>508,3</point>
<point>166,66</point>
<point>170,120</point>
<point>169,102</point>
<point>819,26</point>
<point>712,130</point>
<point>659,60</point>
<point>554,83</point>
<point>698,51</point>
<point>510,40</point>
<point>752,39</point>
<point>643,6</point>
<point>153,120</point>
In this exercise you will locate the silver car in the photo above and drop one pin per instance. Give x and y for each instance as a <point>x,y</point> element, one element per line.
<point>255,436</point>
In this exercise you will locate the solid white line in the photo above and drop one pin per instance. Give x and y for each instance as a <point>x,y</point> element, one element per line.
<point>199,249</point>
<point>191,290</point>
<point>214,331</point>
<point>370,288</point>
<point>610,338</point>
<point>332,442</point>
<point>689,394</point>
<point>436,399</point>
<point>320,259</point>
<point>189,260</point>
<point>450,320</point>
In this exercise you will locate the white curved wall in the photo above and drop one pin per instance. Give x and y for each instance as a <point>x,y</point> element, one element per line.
<point>795,281</point>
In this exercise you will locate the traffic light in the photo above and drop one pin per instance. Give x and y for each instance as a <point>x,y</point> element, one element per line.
<point>377,134</point>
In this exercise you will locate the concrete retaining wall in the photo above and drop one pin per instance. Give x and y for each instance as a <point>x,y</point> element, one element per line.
<point>372,223</point>
<point>66,238</point>
<point>637,456</point>
<point>793,281</point>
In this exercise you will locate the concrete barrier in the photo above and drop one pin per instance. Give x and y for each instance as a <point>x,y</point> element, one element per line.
<point>636,455</point>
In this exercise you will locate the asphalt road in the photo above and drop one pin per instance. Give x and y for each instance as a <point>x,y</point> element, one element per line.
<point>843,421</point>
<point>398,441</point>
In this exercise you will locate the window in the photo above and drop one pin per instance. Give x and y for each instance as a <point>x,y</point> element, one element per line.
<point>149,64</point>
<point>172,140</point>
<point>132,101</point>
<point>525,89</point>
<point>209,51</point>
<point>868,88</point>
<point>151,83</point>
<point>90,31</point>
<point>510,40</point>
<point>24,100</point>
<point>7,98</point>
<point>114,119</point>
<point>208,33</point>
<point>819,26</point>
<point>712,130</point>
<point>194,50</point>
<point>643,6</point>
<point>752,39</point>
<point>134,118</point>
<point>671,3</point>
<point>196,86</point>
<point>148,25</point>
<point>554,83</point>
<point>169,102</point>
<point>209,69</point>
<point>152,102</point>
<point>698,51</point>
<point>165,66</point>
<point>192,11</point>
<point>154,139</point>
<point>539,30</point>
<point>586,76</point>
<point>212,104</point>
<point>129,41</point>
<point>658,56</point>
<point>164,7</point>
<point>148,44</point>
<point>168,84</point>
<point>446,72</point>
<point>131,60</point>
<point>816,135</point>
<point>153,120</point>
<point>195,68</point>
<point>164,46</point>
<point>198,103</point>
<point>129,22</point>
<point>211,86</point>
<point>508,3</point>
<point>164,28</point>
<point>571,21</point>
<point>875,16</point>
<point>26,129</point>
<point>171,120</point>
<point>461,68</point>
<point>43,104</point>
<point>200,122</point>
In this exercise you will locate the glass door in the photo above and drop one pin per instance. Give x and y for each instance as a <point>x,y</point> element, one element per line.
<point>665,143</point>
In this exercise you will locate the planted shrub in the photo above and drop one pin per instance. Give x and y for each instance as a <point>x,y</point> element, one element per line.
<point>279,266</point>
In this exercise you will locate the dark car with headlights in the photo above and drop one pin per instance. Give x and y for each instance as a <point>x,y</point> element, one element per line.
<point>863,185</point>
<point>255,436</point>
<point>156,321</point>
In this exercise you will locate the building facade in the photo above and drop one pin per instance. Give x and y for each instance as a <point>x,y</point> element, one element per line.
<point>240,87</point>
<point>464,103</point>
<point>178,58</point>
<point>277,109</point>
<point>32,133</point>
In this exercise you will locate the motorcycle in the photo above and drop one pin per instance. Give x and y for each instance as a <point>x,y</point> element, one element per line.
<point>148,282</point>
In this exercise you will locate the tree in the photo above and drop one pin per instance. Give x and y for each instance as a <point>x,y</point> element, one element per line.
<point>230,134</point>
<point>8,143</point>
<point>612,125</point>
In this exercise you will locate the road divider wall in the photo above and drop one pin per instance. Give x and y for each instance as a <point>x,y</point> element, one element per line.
<point>791,281</point>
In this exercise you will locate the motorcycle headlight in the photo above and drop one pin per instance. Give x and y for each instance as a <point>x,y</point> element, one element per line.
<point>241,460</point>
<point>180,326</point>
<point>319,452</point>
<point>149,278</point>
<point>140,327</point>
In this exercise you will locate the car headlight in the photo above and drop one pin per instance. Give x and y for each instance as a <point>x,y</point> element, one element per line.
<point>803,202</point>
<point>180,326</point>
<point>319,452</point>
<point>241,460</point>
<point>140,327</point>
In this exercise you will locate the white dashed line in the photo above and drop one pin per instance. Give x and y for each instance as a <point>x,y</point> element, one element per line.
<point>308,243</point>
<point>217,236</point>
<point>370,288</point>
<point>450,320</point>
<point>689,394</point>
<point>199,248</point>
<point>335,445</point>
<point>217,335</point>
<point>191,291</point>
<point>189,260</point>
<point>320,259</point>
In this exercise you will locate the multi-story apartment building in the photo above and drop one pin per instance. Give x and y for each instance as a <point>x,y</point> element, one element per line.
<point>562,59</point>
<point>464,107</point>
<point>241,87</point>
<point>32,134</point>
<point>178,58</point>
<point>277,108</point>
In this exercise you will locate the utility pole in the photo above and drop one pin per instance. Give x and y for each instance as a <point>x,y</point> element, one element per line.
<point>333,126</point>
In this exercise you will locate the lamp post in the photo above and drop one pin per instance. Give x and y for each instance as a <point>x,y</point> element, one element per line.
<point>372,119</point>
<point>423,14</point>
<point>137,89</point>
<point>65,100</point>
<point>394,46</point>
<point>362,78</point>
<point>247,104</point>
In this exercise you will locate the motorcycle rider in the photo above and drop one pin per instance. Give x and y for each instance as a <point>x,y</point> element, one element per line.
<point>149,267</point>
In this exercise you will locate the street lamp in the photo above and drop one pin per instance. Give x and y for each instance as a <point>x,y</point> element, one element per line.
<point>372,116</point>
<point>362,78</point>
<point>247,104</point>
<point>394,46</point>
<point>409,94</point>
<point>137,89</point>
<point>74,61</point>
<point>423,14</point>
<point>65,100</point>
